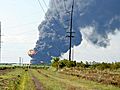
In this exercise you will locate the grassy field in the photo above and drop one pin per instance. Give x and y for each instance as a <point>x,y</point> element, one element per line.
<point>16,79</point>
<point>57,81</point>
<point>101,76</point>
<point>43,79</point>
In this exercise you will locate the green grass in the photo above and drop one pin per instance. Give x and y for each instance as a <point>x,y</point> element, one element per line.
<point>57,81</point>
<point>26,82</point>
<point>17,79</point>
<point>48,83</point>
<point>21,79</point>
<point>9,80</point>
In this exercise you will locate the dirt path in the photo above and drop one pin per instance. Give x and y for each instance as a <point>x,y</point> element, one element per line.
<point>37,83</point>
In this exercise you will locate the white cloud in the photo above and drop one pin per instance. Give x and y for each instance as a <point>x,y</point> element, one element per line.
<point>88,52</point>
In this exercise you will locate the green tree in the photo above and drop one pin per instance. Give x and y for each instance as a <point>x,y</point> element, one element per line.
<point>55,62</point>
<point>63,63</point>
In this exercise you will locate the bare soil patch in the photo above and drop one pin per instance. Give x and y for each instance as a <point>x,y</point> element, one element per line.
<point>37,83</point>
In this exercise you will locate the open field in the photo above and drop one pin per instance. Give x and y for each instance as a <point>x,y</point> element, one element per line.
<point>45,79</point>
<point>57,81</point>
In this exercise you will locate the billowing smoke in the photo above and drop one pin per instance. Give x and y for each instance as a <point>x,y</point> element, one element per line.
<point>103,16</point>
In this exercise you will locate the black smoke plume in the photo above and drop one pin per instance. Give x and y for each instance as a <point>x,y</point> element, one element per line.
<point>102,15</point>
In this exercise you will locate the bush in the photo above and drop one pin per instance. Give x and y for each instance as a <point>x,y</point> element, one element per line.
<point>80,64</point>
<point>55,62</point>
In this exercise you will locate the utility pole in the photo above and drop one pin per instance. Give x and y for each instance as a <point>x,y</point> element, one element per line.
<point>71,32</point>
<point>20,61</point>
<point>0,41</point>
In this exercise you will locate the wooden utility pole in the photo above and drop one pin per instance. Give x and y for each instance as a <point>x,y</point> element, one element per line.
<point>71,32</point>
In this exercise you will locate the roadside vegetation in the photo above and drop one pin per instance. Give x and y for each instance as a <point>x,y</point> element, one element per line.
<point>105,73</point>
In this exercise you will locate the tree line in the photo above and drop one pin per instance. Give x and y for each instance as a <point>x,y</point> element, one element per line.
<point>59,64</point>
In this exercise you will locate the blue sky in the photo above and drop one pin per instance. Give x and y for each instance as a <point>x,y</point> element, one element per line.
<point>20,20</point>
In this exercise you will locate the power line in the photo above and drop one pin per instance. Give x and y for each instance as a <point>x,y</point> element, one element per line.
<point>48,17</point>
<point>47,6</point>
<point>62,22</point>
<point>67,13</point>
<point>65,5</point>
<point>45,3</point>
<point>56,8</point>
<point>41,6</point>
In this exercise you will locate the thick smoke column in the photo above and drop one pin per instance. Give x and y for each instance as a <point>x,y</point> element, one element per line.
<point>102,15</point>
